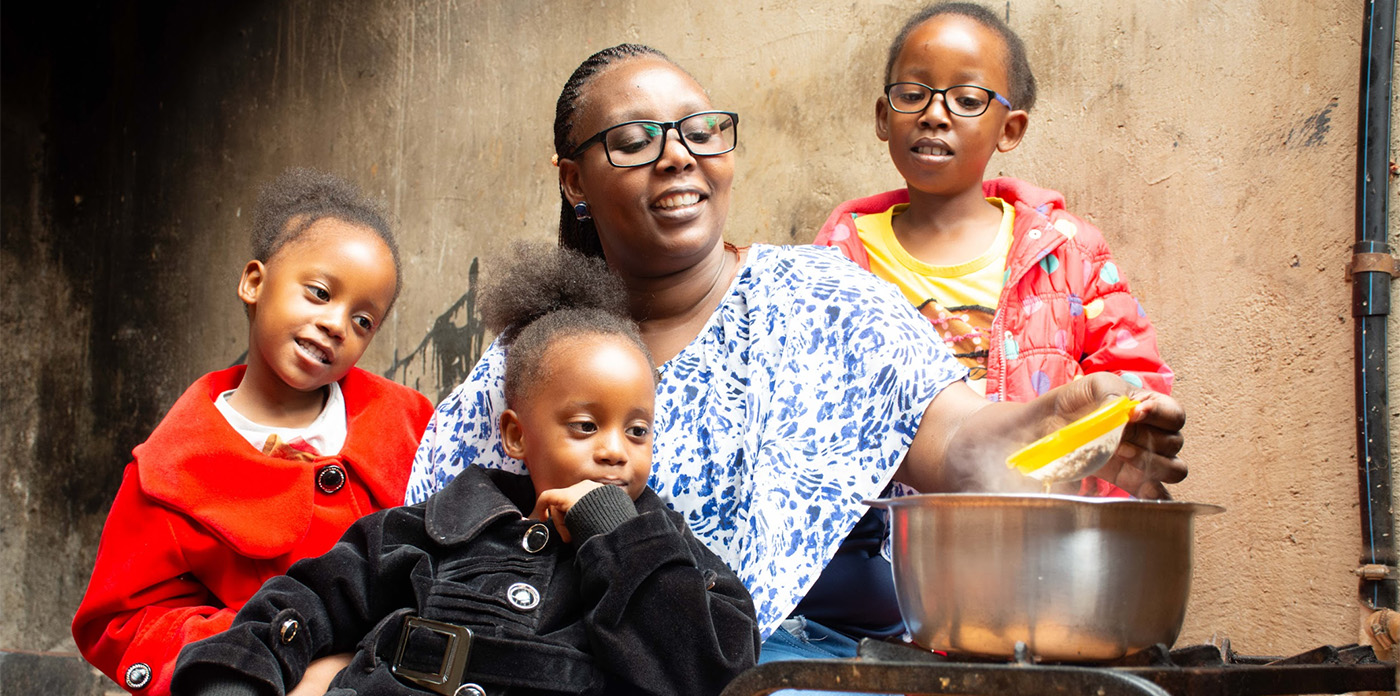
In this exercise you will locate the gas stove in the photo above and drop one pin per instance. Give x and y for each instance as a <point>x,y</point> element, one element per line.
<point>1198,670</point>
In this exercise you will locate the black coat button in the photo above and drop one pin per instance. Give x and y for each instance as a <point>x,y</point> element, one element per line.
<point>469,689</point>
<point>331,479</point>
<point>288,630</point>
<point>535,538</point>
<point>138,676</point>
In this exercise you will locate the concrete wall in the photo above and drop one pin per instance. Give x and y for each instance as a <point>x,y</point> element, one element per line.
<point>1213,142</point>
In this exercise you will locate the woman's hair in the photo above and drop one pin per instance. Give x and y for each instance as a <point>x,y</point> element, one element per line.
<point>574,234</point>
<point>1018,68</point>
<point>297,199</point>
<point>543,293</point>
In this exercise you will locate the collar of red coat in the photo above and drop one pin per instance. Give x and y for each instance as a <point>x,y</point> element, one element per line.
<point>197,464</point>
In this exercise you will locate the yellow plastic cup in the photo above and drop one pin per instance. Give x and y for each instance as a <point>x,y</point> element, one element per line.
<point>1078,449</point>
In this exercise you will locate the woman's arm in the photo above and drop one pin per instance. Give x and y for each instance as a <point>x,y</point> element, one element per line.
<point>963,441</point>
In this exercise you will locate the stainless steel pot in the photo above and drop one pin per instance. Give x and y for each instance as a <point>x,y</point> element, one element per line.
<point>1075,579</point>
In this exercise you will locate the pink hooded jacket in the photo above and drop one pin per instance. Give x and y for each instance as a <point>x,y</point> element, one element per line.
<point>1064,309</point>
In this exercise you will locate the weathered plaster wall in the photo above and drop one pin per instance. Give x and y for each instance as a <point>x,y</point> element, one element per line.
<point>1214,143</point>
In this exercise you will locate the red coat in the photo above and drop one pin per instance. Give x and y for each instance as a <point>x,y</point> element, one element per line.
<point>1065,309</point>
<point>202,519</point>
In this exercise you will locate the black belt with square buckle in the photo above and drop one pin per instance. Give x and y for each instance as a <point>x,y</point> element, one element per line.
<point>472,659</point>
<point>448,677</point>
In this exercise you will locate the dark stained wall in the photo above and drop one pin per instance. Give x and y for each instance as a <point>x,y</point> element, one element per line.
<point>135,137</point>
<point>93,137</point>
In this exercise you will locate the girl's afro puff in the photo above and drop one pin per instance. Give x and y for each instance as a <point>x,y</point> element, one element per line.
<point>542,293</point>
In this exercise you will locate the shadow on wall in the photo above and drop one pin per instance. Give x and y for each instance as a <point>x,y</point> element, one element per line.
<point>449,350</point>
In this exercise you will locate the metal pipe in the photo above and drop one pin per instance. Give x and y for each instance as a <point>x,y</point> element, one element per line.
<point>1371,277</point>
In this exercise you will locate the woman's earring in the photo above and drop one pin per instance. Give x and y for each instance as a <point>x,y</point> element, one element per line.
<point>581,212</point>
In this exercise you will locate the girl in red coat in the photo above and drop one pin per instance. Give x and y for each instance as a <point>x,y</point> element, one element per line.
<point>258,466</point>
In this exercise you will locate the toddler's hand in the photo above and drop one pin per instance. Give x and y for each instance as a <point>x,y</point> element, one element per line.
<point>319,674</point>
<point>554,504</point>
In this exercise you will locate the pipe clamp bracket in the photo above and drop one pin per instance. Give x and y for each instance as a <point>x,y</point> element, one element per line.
<point>1376,572</point>
<point>1373,262</point>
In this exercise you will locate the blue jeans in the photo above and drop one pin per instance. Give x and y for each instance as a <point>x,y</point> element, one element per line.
<point>799,638</point>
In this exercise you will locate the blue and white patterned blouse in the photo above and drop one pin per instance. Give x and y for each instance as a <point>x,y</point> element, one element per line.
<point>797,400</point>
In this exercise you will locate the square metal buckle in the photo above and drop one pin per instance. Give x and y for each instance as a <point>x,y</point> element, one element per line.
<point>454,658</point>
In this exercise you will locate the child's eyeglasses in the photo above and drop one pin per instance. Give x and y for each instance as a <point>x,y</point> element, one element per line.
<point>639,143</point>
<point>961,100</point>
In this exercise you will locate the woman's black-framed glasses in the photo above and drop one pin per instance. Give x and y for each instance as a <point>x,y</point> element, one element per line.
<point>961,100</point>
<point>639,143</point>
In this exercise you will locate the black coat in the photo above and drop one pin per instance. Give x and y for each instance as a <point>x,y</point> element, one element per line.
<point>645,608</point>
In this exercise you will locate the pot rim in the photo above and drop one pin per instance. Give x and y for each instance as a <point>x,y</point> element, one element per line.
<point>1036,500</point>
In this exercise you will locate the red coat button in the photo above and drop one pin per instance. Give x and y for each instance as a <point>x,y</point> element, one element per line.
<point>331,479</point>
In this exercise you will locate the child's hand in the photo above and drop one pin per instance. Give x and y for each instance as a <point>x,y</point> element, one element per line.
<point>1147,455</point>
<point>554,504</point>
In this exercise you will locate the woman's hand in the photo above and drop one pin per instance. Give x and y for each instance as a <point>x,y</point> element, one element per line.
<point>554,504</point>
<point>963,440</point>
<point>1147,455</point>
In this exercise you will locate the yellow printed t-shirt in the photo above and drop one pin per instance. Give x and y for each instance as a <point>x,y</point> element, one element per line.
<point>960,300</point>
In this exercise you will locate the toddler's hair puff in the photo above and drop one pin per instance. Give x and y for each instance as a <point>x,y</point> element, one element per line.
<point>541,293</point>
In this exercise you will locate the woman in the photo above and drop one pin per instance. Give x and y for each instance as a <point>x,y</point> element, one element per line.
<point>792,384</point>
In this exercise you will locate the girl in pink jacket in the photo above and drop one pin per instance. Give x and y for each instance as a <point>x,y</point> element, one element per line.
<point>1021,291</point>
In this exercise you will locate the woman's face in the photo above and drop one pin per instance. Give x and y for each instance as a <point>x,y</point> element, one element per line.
<point>662,217</point>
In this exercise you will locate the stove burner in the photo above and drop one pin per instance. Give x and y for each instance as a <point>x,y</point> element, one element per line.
<point>1197,670</point>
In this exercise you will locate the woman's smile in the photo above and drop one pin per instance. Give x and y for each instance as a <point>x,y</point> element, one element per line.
<point>672,201</point>
<point>679,205</point>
